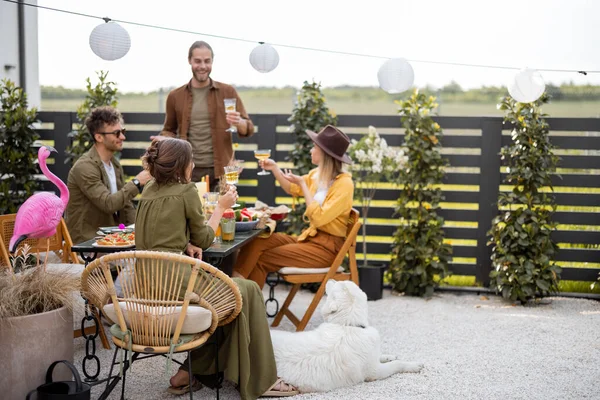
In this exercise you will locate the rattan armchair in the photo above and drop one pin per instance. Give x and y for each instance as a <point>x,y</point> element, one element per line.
<point>158,289</point>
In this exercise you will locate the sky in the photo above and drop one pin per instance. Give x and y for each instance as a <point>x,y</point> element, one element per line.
<point>548,34</point>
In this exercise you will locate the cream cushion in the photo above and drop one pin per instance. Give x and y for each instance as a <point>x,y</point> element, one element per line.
<point>302,271</point>
<point>197,319</point>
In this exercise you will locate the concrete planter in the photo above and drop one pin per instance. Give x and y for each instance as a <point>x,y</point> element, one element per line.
<point>28,345</point>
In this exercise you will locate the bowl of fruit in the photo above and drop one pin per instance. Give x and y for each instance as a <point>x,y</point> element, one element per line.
<point>245,220</point>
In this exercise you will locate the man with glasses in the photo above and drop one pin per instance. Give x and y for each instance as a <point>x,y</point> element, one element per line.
<point>99,195</point>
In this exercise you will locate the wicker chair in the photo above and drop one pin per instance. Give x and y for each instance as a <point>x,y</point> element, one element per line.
<point>61,241</point>
<point>157,289</point>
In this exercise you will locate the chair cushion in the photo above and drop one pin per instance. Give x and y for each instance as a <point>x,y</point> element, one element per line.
<point>303,271</point>
<point>116,331</point>
<point>197,319</point>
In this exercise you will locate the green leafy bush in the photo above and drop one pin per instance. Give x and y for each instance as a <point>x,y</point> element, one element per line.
<point>374,162</point>
<point>103,94</point>
<point>419,252</point>
<point>523,251</point>
<point>17,154</point>
<point>310,112</point>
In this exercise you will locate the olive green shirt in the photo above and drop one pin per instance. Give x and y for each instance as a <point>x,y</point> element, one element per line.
<point>169,217</point>
<point>91,203</point>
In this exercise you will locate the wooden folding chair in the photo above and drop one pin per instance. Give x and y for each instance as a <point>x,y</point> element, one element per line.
<point>61,241</point>
<point>333,272</point>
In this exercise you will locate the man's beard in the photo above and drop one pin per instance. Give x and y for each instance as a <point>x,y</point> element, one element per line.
<point>199,78</point>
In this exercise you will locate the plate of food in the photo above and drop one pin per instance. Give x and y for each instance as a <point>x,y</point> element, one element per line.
<point>117,239</point>
<point>275,213</point>
<point>246,219</point>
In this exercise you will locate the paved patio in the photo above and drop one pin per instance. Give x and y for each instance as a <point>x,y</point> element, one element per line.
<point>473,347</point>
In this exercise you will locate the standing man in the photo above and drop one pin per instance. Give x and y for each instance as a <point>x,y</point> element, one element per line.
<point>99,195</point>
<point>196,112</point>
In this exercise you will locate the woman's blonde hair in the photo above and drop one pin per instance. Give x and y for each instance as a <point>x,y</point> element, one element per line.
<point>329,168</point>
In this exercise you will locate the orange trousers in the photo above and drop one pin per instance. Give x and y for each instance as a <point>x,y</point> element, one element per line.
<point>279,250</point>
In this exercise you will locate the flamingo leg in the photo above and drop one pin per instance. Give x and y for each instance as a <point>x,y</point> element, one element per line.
<point>47,251</point>
<point>37,254</point>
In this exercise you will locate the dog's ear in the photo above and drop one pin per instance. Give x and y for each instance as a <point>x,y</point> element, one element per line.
<point>329,286</point>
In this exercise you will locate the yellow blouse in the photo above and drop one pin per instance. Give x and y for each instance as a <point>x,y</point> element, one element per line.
<point>332,216</point>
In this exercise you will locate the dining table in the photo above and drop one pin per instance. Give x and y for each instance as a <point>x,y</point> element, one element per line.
<point>214,255</point>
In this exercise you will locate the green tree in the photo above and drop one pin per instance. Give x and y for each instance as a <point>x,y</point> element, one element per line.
<point>17,154</point>
<point>104,93</point>
<point>523,251</point>
<point>310,112</point>
<point>419,252</point>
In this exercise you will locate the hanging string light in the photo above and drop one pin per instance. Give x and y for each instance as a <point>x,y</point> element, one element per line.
<point>527,86</point>
<point>396,75</point>
<point>110,41</point>
<point>264,58</point>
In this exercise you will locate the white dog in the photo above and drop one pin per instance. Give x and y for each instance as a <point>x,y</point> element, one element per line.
<point>342,351</point>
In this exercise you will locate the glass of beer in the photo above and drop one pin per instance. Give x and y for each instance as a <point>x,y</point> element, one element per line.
<point>230,107</point>
<point>232,173</point>
<point>262,154</point>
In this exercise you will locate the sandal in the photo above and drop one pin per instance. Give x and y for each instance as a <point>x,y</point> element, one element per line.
<point>183,389</point>
<point>285,390</point>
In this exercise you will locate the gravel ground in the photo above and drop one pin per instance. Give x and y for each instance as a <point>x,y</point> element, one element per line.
<point>473,347</point>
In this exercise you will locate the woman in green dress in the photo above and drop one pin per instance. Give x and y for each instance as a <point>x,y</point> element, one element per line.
<point>170,218</point>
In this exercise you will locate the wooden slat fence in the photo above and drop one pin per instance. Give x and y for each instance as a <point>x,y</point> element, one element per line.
<point>471,186</point>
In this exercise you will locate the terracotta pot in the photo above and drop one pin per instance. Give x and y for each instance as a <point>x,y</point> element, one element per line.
<point>28,345</point>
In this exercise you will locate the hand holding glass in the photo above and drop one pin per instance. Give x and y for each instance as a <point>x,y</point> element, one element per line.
<point>232,173</point>
<point>230,107</point>
<point>262,154</point>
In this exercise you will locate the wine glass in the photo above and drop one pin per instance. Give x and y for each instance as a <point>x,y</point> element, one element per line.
<point>232,173</point>
<point>230,107</point>
<point>262,154</point>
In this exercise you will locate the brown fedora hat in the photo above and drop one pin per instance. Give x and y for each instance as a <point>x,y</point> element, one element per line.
<point>333,142</point>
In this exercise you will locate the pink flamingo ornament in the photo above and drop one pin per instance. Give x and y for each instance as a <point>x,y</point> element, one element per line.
<point>39,216</point>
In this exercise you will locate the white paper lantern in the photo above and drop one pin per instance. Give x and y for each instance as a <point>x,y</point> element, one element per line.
<point>527,86</point>
<point>264,58</point>
<point>396,75</point>
<point>110,41</point>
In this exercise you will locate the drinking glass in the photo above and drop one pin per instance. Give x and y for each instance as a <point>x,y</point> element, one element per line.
<point>232,174</point>
<point>262,154</point>
<point>230,107</point>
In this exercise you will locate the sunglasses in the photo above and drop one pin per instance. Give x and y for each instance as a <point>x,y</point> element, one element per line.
<point>117,133</point>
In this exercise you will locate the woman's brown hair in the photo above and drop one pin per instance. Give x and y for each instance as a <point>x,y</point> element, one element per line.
<point>168,160</point>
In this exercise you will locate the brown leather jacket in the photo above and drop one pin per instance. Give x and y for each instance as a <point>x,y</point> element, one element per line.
<point>91,205</point>
<point>178,117</point>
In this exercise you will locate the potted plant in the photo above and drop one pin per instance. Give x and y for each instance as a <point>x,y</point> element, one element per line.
<point>419,255</point>
<point>374,163</point>
<point>523,251</point>
<point>17,154</point>
<point>103,94</point>
<point>36,323</point>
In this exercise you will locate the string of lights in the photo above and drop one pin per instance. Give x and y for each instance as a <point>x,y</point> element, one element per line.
<point>283,45</point>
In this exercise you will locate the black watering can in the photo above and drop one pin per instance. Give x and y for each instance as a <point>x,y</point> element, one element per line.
<point>66,390</point>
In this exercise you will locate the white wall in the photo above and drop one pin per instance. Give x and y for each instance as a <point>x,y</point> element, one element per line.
<point>9,48</point>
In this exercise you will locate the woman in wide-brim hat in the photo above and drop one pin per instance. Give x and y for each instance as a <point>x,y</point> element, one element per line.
<point>328,193</point>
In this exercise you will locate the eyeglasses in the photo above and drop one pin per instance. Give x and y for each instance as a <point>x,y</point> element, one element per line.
<point>117,133</point>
